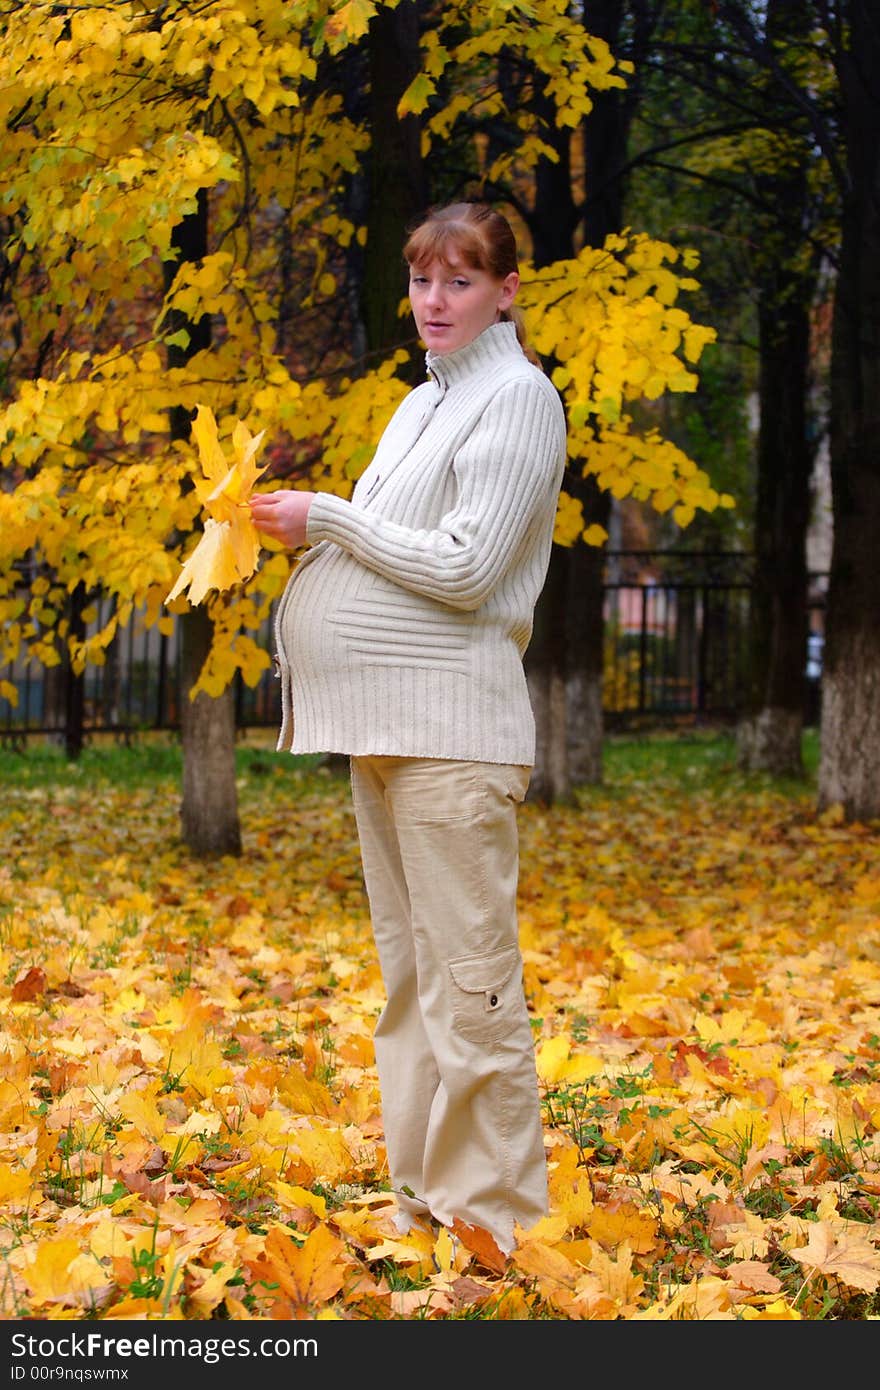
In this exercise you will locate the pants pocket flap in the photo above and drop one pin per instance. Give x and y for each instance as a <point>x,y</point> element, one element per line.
<point>476,974</point>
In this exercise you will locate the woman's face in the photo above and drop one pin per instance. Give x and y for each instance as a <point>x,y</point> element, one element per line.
<point>452,302</point>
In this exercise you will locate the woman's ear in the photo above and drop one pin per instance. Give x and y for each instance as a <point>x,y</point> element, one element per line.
<point>509,287</point>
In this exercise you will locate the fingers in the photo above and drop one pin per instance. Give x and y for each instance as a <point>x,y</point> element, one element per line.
<point>264,501</point>
<point>281,515</point>
<point>280,502</point>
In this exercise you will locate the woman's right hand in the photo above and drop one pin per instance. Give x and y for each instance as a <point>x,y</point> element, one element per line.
<point>282,515</point>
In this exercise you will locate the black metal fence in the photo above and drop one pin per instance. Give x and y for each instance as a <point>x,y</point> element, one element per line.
<point>675,647</point>
<point>675,634</point>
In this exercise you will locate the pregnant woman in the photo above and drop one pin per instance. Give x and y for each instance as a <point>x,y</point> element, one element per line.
<point>400,638</point>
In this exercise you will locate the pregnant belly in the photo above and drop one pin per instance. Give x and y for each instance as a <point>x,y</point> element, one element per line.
<point>339,616</point>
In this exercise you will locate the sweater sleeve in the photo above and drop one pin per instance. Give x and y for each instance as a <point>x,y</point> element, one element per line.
<point>507,471</point>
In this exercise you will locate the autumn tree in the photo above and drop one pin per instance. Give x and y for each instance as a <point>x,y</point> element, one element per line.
<point>127,129</point>
<point>721,136</point>
<point>398,187</point>
<point>580,194</point>
<point>770,731</point>
<point>754,145</point>
<point>849,773</point>
<point>144,149</point>
<point>847,132</point>
<point>564,179</point>
<point>209,804</point>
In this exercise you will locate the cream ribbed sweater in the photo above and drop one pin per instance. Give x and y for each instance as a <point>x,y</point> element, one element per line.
<point>403,627</point>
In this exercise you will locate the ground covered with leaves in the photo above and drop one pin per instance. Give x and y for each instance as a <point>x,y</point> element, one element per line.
<point>189,1112</point>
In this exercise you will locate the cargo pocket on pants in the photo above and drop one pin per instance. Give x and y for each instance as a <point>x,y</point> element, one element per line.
<point>485,991</point>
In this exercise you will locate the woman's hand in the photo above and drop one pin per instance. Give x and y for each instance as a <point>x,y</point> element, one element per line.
<point>282,515</point>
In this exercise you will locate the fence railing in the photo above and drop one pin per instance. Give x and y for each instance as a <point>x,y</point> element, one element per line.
<point>675,649</point>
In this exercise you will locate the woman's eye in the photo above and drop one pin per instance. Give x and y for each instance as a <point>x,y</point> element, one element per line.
<point>461,284</point>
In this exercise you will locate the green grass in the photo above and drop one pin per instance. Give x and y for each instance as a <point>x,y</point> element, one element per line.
<point>146,760</point>
<point>687,761</point>
<point>698,761</point>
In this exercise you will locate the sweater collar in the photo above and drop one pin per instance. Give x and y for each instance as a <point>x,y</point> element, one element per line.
<point>495,344</point>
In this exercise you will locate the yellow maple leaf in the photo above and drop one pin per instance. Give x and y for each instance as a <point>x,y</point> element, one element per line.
<point>230,544</point>
<point>15,1184</point>
<point>206,1296</point>
<point>852,1259</point>
<point>309,1274</point>
<point>303,1095</point>
<point>570,1189</point>
<point>444,1251</point>
<point>548,1265</point>
<point>13,1105</point>
<point>417,95</point>
<point>60,1274</point>
<point>324,1150</point>
<point>291,1196</point>
<point>616,1278</point>
<point>351,20</point>
<point>625,1224</point>
<point>555,1062</point>
<point>703,1300</point>
<point>143,1113</point>
<point>109,1239</point>
<point>210,566</point>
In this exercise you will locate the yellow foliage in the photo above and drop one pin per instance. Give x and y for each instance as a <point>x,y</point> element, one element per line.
<point>116,127</point>
<point>230,546</point>
<point>569,519</point>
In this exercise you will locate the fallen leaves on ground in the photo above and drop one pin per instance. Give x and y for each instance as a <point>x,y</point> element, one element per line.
<point>189,1112</point>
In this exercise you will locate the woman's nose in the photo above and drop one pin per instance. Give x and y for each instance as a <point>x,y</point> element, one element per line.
<point>434,295</point>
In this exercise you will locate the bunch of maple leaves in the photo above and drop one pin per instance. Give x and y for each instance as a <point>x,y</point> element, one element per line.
<point>228,548</point>
<point>189,1112</point>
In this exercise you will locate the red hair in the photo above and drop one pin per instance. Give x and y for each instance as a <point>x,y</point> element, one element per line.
<point>476,234</point>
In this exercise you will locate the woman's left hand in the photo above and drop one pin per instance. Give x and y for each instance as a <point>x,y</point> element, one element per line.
<point>282,515</point>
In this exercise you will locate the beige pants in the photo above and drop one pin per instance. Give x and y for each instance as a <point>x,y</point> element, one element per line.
<point>454,1048</point>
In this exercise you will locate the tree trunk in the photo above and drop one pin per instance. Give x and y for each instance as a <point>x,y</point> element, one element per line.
<point>575,608</point>
<point>605,140</point>
<point>849,768</point>
<point>770,734</point>
<point>585,643</point>
<point>397,191</point>
<point>388,198</point>
<point>545,673</point>
<point>111,678</point>
<point>357,205</point>
<point>208,811</point>
<point>551,224</point>
<point>209,805</point>
<point>74,682</point>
